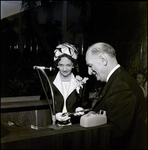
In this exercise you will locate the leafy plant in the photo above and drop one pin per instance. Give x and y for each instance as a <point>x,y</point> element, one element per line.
<point>19,87</point>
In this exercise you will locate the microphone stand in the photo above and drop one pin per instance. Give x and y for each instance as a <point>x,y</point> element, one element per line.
<point>54,125</point>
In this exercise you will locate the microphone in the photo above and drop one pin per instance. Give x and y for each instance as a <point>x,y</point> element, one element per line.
<point>43,67</point>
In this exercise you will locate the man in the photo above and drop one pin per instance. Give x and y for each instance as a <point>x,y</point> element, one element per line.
<point>121,98</point>
<point>141,80</point>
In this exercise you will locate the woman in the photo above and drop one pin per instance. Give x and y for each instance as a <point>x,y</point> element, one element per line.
<point>69,91</point>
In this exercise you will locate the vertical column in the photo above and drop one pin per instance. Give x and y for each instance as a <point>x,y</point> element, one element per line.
<point>64,25</point>
<point>20,38</point>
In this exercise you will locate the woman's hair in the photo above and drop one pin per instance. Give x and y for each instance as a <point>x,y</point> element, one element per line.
<point>74,61</point>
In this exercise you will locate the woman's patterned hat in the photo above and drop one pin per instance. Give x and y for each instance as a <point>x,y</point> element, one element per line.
<point>65,48</point>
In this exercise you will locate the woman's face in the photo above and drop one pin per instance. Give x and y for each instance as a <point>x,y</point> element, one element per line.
<point>65,66</point>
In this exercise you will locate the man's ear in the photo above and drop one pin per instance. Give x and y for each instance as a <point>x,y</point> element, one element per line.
<point>104,59</point>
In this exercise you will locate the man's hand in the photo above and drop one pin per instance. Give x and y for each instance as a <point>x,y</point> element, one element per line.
<point>79,111</point>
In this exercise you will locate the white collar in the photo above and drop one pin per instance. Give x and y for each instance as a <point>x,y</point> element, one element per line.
<point>116,67</point>
<point>57,82</point>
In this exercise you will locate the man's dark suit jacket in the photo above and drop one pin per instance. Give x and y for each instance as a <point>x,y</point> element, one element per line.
<point>123,100</point>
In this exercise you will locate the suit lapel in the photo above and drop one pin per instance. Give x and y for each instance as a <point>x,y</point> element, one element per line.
<point>106,87</point>
<point>102,94</point>
<point>58,84</point>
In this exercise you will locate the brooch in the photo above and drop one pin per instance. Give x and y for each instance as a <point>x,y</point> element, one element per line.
<point>80,82</point>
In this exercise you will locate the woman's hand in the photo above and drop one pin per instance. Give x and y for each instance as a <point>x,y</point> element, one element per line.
<point>79,111</point>
<point>62,118</point>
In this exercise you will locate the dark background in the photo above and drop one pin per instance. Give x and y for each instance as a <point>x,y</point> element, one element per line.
<point>121,24</point>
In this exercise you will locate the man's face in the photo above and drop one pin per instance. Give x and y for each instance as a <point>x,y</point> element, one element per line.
<point>140,79</point>
<point>95,66</point>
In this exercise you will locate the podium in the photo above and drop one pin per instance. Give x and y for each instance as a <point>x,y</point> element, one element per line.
<point>69,137</point>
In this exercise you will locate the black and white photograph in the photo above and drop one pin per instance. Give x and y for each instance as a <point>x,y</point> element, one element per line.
<point>73,74</point>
